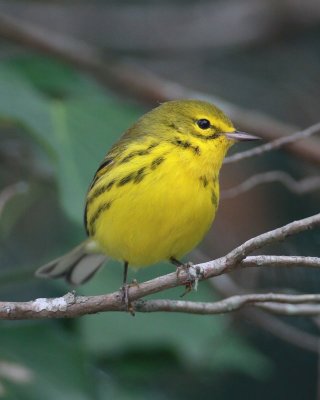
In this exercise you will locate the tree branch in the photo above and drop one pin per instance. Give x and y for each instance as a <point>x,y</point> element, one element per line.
<point>209,21</point>
<point>276,303</point>
<point>305,310</point>
<point>276,235</point>
<point>70,306</point>
<point>280,261</point>
<point>73,306</point>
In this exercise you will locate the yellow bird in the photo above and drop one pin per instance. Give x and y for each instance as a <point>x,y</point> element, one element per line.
<point>156,192</point>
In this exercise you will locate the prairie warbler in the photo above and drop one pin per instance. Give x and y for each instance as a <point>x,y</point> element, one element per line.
<point>156,192</point>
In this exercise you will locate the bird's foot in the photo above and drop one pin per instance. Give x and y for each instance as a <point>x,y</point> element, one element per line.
<point>125,298</point>
<point>193,276</point>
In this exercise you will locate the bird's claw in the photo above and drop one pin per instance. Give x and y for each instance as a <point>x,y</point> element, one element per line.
<point>193,276</point>
<point>125,296</point>
<point>125,299</point>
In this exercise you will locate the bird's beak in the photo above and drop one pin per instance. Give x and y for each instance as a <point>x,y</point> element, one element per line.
<point>236,135</point>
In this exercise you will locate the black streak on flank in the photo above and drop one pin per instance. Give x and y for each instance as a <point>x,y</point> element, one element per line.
<point>140,175</point>
<point>136,153</point>
<point>97,214</point>
<point>185,144</point>
<point>214,199</point>
<point>204,180</point>
<point>156,162</point>
<point>99,191</point>
<point>153,145</point>
<point>110,184</point>
<point>126,179</point>
<point>133,154</point>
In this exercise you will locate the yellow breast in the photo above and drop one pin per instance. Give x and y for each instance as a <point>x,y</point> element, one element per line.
<point>153,205</point>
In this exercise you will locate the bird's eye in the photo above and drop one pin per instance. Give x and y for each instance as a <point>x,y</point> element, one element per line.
<point>203,123</point>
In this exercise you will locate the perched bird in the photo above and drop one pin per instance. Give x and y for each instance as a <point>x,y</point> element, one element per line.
<point>156,192</point>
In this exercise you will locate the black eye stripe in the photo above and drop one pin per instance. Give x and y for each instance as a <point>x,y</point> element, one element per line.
<point>203,123</point>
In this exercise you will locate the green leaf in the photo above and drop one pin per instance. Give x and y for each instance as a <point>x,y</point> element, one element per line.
<point>52,77</point>
<point>55,360</point>
<point>19,102</point>
<point>85,128</point>
<point>77,131</point>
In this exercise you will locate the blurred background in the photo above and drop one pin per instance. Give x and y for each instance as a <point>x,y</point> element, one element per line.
<point>73,76</point>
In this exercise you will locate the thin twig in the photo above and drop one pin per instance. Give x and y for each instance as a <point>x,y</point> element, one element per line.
<point>275,144</point>
<point>306,310</point>
<point>288,304</point>
<point>267,238</point>
<point>278,261</point>
<point>300,187</point>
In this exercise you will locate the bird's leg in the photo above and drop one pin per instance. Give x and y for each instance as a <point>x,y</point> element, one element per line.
<point>125,295</point>
<point>192,279</point>
<point>125,290</point>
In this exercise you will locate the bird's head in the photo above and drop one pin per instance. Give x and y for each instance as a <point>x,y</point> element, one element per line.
<point>197,119</point>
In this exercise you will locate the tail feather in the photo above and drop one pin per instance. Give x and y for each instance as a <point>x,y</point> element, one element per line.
<point>85,268</point>
<point>77,266</point>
